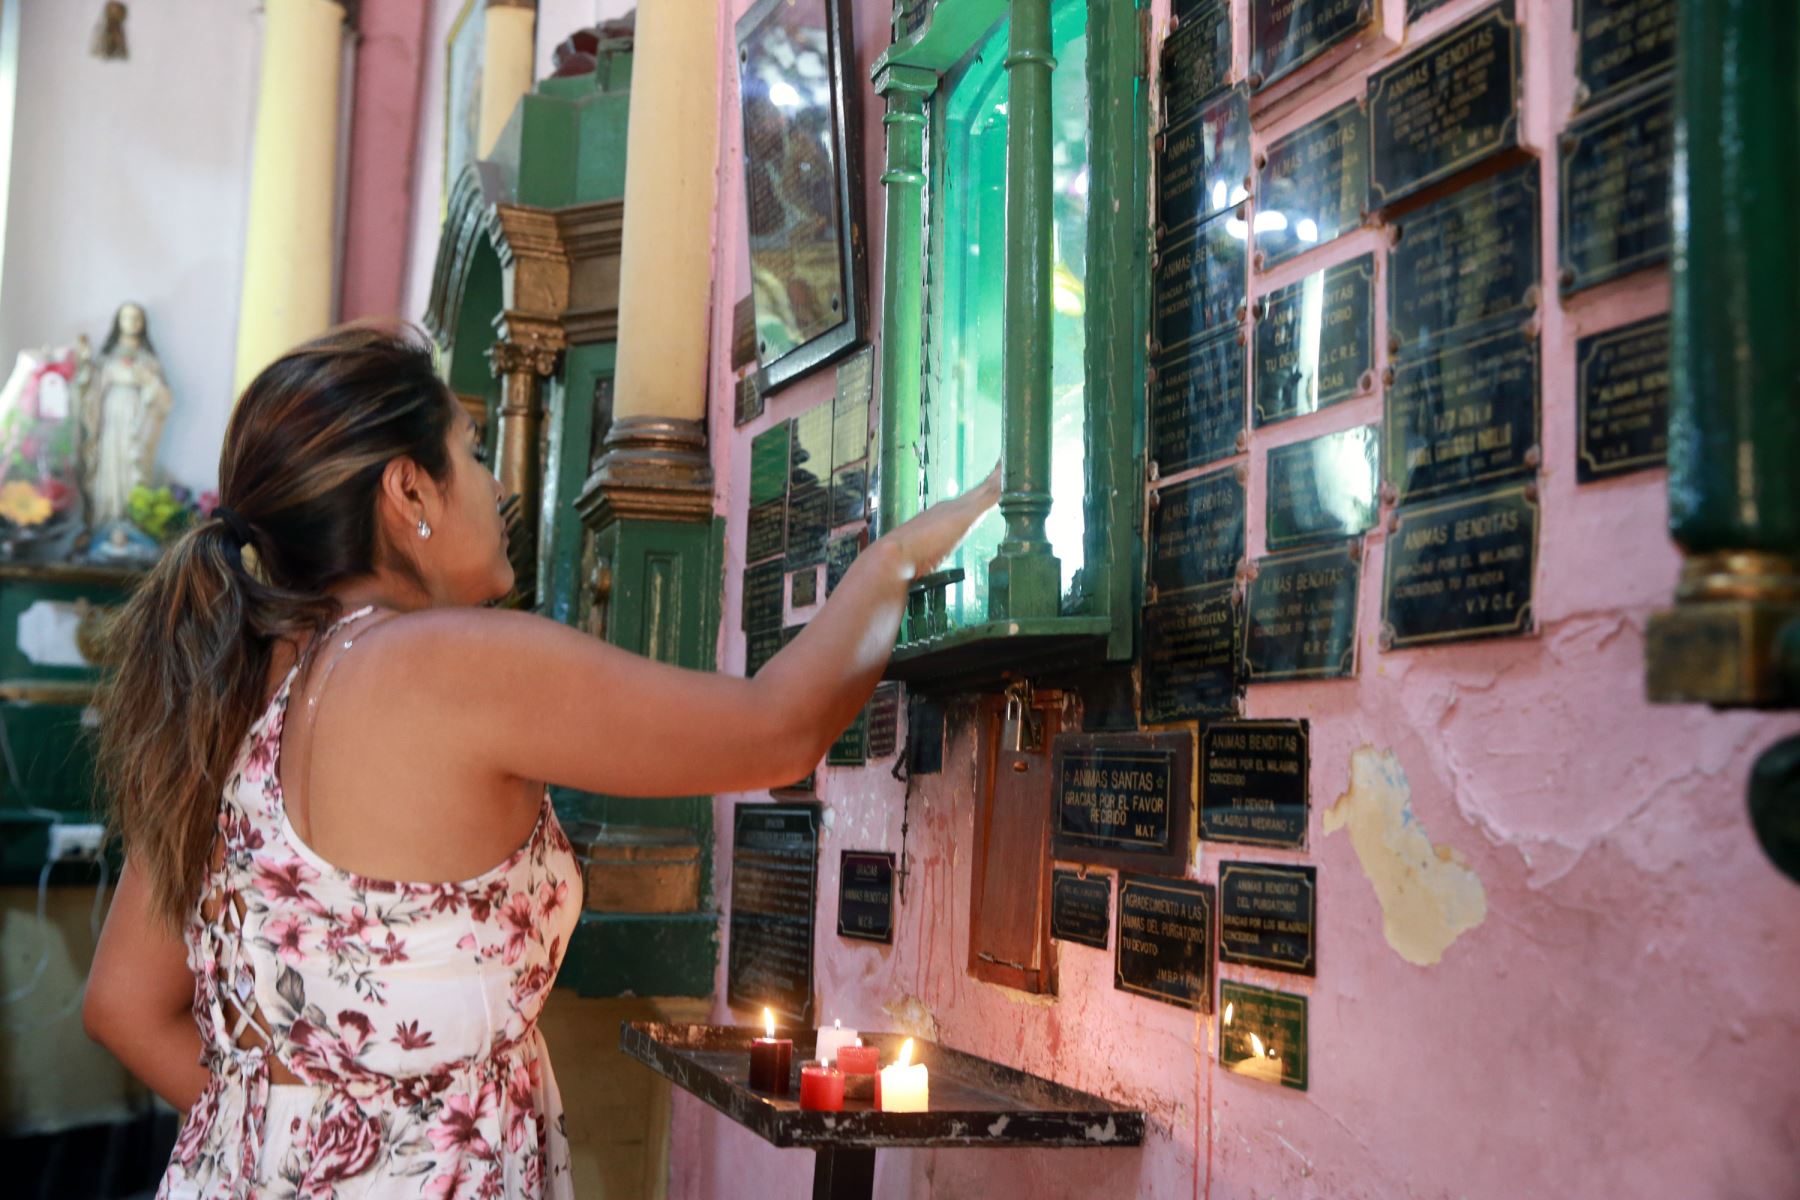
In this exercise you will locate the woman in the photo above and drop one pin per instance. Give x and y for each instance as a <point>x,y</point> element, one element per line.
<point>311,704</point>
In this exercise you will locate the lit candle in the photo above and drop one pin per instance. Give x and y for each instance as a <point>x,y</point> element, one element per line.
<point>830,1040</point>
<point>859,1064</point>
<point>905,1086</point>
<point>771,1060</point>
<point>821,1088</point>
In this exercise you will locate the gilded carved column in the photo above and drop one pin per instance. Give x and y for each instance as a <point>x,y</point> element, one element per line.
<point>523,364</point>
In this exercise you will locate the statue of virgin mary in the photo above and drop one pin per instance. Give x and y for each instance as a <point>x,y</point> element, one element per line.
<point>123,408</point>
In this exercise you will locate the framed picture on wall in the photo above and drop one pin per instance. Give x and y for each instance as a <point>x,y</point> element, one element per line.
<point>803,186</point>
<point>462,90</point>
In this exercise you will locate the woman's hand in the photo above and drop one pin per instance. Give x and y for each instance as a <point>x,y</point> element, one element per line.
<point>928,539</point>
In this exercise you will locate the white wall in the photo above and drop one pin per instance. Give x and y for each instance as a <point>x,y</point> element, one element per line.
<point>130,181</point>
<point>557,19</point>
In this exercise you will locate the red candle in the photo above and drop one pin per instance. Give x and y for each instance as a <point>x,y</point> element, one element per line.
<point>771,1060</point>
<point>821,1088</point>
<point>858,1060</point>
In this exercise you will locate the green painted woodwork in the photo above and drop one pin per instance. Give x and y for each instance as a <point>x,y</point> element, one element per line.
<point>472,334</point>
<point>570,451</point>
<point>23,586</point>
<point>1024,575</point>
<point>904,89</point>
<point>49,759</point>
<point>1065,368</point>
<point>1734,402</point>
<point>622,954</point>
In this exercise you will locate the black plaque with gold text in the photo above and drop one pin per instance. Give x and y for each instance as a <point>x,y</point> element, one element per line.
<point>804,591</point>
<point>1285,35</point>
<point>1199,282</point>
<point>1190,664</point>
<point>808,524</point>
<point>866,896</point>
<point>884,721</point>
<point>1254,783</point>
<point>766,531</point>
<point>1300,619</point>
<point>1197,403</point>
<point>1316,180</point>
<point>1165,942</point>
<point>1617,171</point>
<point>1203,163</point>
<point>1463,414</point>
<point>763,597</point>
<point>849,494</point>
<point>852,746</point>
<point>769,456</point>
<point>1622,398</point>
<point>1622,43</point>
<point>1446,106</point>
<point>1197,532</point>
<point>1262,1034</point>
<point>774,899</point>
<point>1324,489</point>
<point>1461,569</point>
<point>1196,57</point>
<point>1465,259</point>
<point>1123,799</point>
<point>1081,908</point>
<point>809,448</point>
<point>840,552</point>
<point>1315,341</point>
<point>760,645</point>
<point>1268,916</point>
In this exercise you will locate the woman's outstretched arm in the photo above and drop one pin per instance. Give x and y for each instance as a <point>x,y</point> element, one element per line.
<point>535,700</point>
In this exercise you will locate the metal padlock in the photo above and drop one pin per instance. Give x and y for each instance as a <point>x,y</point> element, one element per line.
<point>1020,732</point>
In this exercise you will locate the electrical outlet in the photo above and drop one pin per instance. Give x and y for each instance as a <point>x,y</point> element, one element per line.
<point>76,843</point>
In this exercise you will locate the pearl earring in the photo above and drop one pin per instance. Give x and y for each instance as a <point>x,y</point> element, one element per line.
<point>424,529</point>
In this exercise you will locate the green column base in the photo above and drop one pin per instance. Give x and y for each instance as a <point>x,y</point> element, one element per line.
<point>1024,584</point>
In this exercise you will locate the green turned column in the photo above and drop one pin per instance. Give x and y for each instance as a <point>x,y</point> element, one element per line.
<point>904,89</point>
<point>1734,404</point>
<point>1024,578</point>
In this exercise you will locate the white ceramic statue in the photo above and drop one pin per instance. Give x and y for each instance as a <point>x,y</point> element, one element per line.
<point>123,408</point>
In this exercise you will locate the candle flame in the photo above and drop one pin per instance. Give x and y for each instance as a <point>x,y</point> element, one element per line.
<point>905,1053</point>
<point>837,1024</point>
<point>769,1022</point>
<point>1256,1045</point>
<point>1228,1014</point>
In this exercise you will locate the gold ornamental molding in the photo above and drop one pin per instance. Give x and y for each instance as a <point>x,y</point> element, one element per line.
<point>654,469</point>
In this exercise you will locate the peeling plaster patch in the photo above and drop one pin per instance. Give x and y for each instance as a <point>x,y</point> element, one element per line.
<point>911,1015</point>
<point>999,1125</point>
<point>1108,1132</point>
<point>1429,896</point>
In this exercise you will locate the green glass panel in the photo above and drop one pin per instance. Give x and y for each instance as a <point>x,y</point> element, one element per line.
<point>962,419</point>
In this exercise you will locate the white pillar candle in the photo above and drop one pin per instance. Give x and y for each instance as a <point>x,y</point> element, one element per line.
<point>830,1039</point>
<point>905,1086</point>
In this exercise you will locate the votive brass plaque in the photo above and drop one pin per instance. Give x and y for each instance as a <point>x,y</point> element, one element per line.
<point>1315,341</point>
<point>1446,106</point>
<point>1197,403</point>
<point>1262,1034</point>
<point>1081,908</point>
<point>1199,281</point>
<point>1165,940</point>
<point>1285,35</point>
<point>765,534</point>
<point>866,896</point>
<point>1622,398</point>
<point>1190,660</point>
<point>1461,568</point>
<point>1197,532</point>
<point>1623,43</point>
<point>1465,260</point>
<point>1617,174</point>
<point>763,596</point>
<point>1463,414</point>
<point>1123,799</point>
<point>884,721</point>
<point>1268,916</point>
<point>1324,489</point>
<point>1300,620</point>
<point>1254,783</point>
<point>774,902</point>
<point>1313,185</point>
<point>808,524</point>
<point>1196,57</point>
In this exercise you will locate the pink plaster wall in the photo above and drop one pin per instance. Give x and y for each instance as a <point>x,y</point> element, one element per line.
<point>1621,1025</point>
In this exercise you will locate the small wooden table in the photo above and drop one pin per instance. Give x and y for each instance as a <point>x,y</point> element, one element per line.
<point>974,1102</point>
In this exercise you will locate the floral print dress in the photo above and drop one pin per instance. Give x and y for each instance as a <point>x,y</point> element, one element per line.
<point>408,1011</point>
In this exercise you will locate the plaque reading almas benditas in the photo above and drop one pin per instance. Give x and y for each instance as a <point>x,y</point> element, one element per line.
<point>1165,942</point>
<point>1300,621</point>
<point>1622,390</point>
<point>866,896</point>
<point>1123,799</point>
<point>1463,414</point>
<point>1268,916</point>
<point>1461,569</point>
<point>1191,655</point>
<point>1253,783</point>
<point>1446,106</point>
<point>1197,403</point>
<point>1465,259</point>
<point>1199,281</point>
<point>1197,532</point>
<point>1315,341</point>
<point>1313,185</point>
<point>1203,163</point>
<point>1323,489</point>
<point>1617,171</point>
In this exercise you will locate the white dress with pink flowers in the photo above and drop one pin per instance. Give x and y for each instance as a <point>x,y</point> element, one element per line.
<point>409,1010</point>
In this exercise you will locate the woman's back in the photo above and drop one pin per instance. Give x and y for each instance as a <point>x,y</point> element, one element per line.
<point>406,1011</point>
